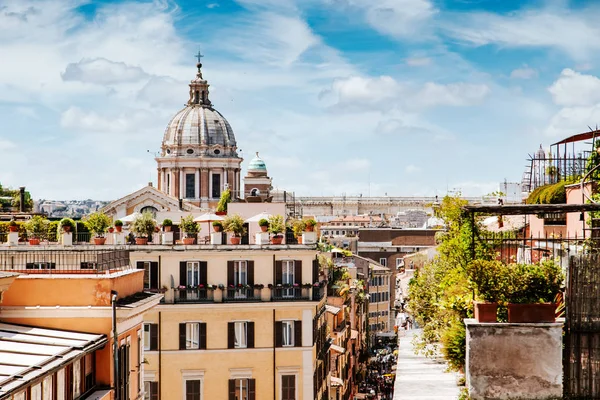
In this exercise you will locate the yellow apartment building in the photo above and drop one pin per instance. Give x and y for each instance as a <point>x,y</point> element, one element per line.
<point>237,322</point>
<point>380,301</point>
<point>49,296</point>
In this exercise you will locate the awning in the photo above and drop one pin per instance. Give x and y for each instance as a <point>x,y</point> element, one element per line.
<point>337,348</point>
<point>353,334</point>
<point>336,381</point>
<point>332,309</point>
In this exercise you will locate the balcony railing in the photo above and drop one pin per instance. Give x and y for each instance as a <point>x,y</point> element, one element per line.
<point>293,293</point>
<point>195,295</point>
<point>241,295</point>
<point>55,261</point>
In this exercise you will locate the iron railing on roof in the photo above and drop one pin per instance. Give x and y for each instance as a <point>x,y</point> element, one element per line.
<point>59,261</point>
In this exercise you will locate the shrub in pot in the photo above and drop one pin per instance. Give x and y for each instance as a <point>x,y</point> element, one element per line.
<point>234,224</point>
<point>490,281</point>
<point>97,223</point>
<point>264,224</point>
<point>217,226</point>
<point>13,227</point>
<point>310,225</point>
<point>167,224</point>
<point>143,226</point>
<point>190,228</point>
<point>297,226</point>
<point>119,225</point>
<point>37,228</point>
<point>66,225</point>
<point>276,227</point>
<point>223,201</point>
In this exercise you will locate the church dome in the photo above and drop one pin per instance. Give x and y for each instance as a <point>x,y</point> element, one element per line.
<point>198,129</point>
<point>257,165</point>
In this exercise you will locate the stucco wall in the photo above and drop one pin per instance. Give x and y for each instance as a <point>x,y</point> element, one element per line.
<point>514,361</point>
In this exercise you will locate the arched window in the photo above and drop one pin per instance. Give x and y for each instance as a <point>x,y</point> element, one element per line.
<point>255,192</point>
<point>152,210</point>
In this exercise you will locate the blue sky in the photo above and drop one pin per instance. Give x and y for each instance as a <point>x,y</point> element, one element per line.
<point>397,97</point>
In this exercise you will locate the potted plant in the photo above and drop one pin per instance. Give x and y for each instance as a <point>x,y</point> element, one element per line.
<point>264,224</point>
<point>111,229</point>
<point>66,225</point>
<point>298,227</point>
<point>37,228</point>
<point>167,224</point>
<point>12,226</point>
<point>489,281</point>
<point>191,229</point>
<point>532,291</point>
<point>143,227</point>
<point>223,201</point>
<point>217,226</point>
<point>98,224</point>
<point>309,225</point>
<point>234,224</point>
<point>276,227</point>
<point>119,225</point>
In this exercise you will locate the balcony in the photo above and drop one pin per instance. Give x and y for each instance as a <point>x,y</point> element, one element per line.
<point>289,294</point>
<point>241,295</point>
<point>194,295</point>
<point>258,293</point>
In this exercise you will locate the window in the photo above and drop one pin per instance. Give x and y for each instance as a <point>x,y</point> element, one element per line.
<point>288,387</point>
<point>77,378</point>
<point>192,335</point>
<point>242,389</point>
<point>193,273</point>
<point>40,265</point>
<point>140,347</point>
<point>150,390</point>
<point>241,335</point>
<point>399,262</point>
<point>150,209</point>
<point>150,274</point>
<point>124,368</point>
<point>88,372</point>
<point>192,389</point>
<point>190,186</point>
<point>216,186</point>
<point>288,333</point>
<point>240,273</point>
<point>383,261</point>
<point>150,337</point>
<point>287,277</point>
<point>88,265</point>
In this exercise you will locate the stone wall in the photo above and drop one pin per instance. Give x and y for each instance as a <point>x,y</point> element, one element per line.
<point>514,361</point>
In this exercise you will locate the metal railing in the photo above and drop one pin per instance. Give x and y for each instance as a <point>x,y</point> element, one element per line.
<point>241,295</point>
<point>57,261</point>
<point>194,295</point>
<point>293,293</point>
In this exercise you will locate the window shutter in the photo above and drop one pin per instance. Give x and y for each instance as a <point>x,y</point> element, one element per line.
<point>182,337</point>
<point>203,335</point>
<point>315,271</point>
<point>153,390</point>
<point>278,333</point>
<point>183,273</point>
<point>154,275</point>
<point>297,333</point>
<point>230,279</point>
<point>232,389</point>
<point>139,265</point>
<point>153,336</point>
<point>250,338</point>
<point>298,272</point>
<point>250,273</point>
<point>251,389</point>
<point>278,272</point>
<point>230,335</point>
<point>203,273</point>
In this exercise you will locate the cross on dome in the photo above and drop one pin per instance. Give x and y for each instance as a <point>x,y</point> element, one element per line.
<point>199,56</point>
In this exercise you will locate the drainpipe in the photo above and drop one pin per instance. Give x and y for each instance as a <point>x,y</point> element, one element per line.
<point>159,355</point>
<point>114,295</point>
<point>274,369</point>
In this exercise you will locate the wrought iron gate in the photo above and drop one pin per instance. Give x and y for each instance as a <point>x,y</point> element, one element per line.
<point>581,359</point>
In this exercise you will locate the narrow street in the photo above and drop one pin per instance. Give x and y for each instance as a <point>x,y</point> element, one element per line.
<point>418,377</point>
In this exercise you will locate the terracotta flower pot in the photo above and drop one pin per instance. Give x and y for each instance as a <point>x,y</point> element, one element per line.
<point>189,240</point>
<point>34,242</point>
<point>235,240</point>
<point>310,228</point>
<point>110,230</point>
<point>221,212</point>
<point>13,228</point>
<point>531,313</point>
<point>299,239</point>
<point>264,228</point>
<point>486,312</point>
<point>119,228</point>
<point>141,241</point>
<point>167,228</point>
<point>278,239</point>
<point>99,241</point>
<point>217,228</point>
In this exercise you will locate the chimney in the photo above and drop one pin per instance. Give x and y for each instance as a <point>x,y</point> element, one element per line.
<point>22,199</point>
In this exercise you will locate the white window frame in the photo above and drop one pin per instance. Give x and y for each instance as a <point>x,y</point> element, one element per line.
<point>288,371</point>
<point>383,261</point>
<point>288,275</point>
<point>192,266</point>
<point>240,269</point>
<point>146,343</point>
<point>192,375</point>
<point>140,368</point>
<point>192,335</point>
<point>148,269</point>
<point>287,326</point>
<point>240,329</point>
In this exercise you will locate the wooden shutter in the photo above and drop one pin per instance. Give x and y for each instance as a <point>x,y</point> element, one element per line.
<point>230,279</point>
<point>153,336</point>
<point>203,335</point>
<point>297,333</point>
<point>183,273</point>
<point>139,265</point>
<point>251,389</point>
<point>278,333</point>
<point>232,389</point>
<point>230,335</point>
<point>250,338</point>
<point>154,275</point>
<point>182,337</point>
<point>250,273</point>
<point>203,273</point>
<point>298,272</point>
<point>315,271</point>
<point>278,272</point>
<point>153,390</point>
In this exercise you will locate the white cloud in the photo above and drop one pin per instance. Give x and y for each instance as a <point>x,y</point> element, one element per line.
<point>453,94</point>
<point>575,89</point>
<point>102,71</point>
<point>418,61</point>
<point>524,73</point>
<point>212,5</point>
<point>7,145</point>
